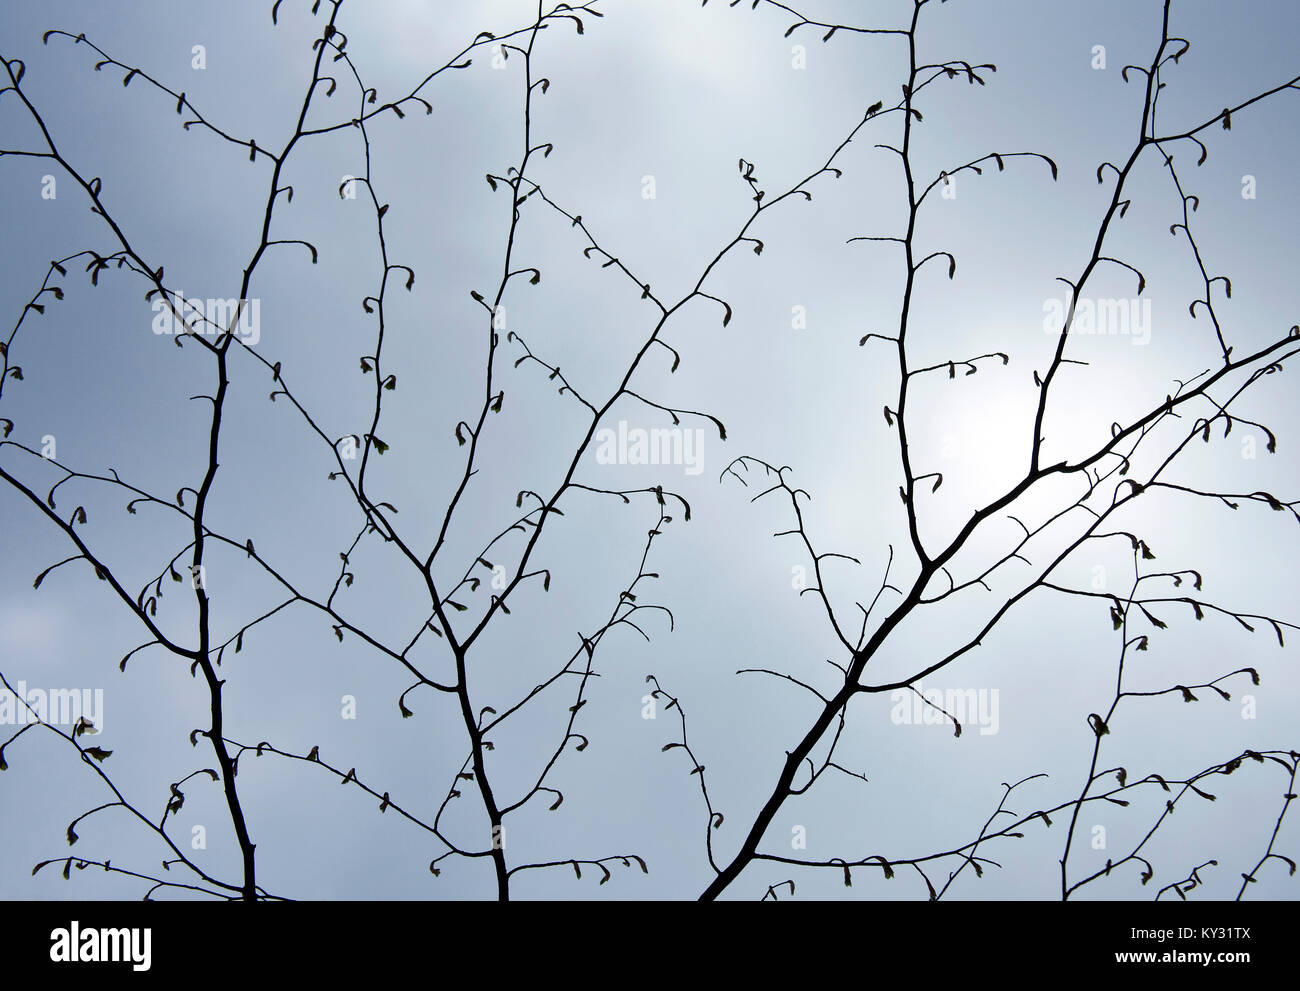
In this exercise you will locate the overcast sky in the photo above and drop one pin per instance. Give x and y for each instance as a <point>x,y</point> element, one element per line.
<point>648,111</point>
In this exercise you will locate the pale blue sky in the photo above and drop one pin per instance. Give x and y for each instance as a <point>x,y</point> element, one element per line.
<point>677,93</point>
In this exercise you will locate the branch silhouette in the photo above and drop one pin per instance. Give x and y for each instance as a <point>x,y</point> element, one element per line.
<point>476,572</point>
